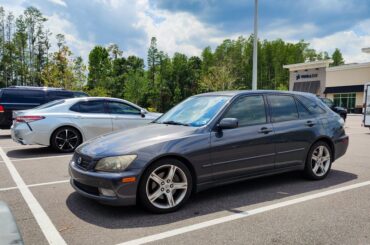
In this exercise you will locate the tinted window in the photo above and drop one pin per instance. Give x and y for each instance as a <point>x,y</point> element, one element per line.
<point>283,108</point>
<point>122,108</point>
<point>248,110</point>
<point>302,110</point>
<point>80,94</point>
<point>23,96</point>
<point>89,107</point>
<point>311,105</point>
<point>56,95</point>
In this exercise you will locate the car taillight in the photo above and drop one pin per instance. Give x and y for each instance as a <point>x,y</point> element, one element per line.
<point>1,108</point>
<point>28,119</point>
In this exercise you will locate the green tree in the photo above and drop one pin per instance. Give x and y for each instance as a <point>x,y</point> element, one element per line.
<point>99,67</point>
<point>337,58</point>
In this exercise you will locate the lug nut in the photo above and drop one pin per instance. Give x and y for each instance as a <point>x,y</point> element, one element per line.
<point>162,189</point>
<point>168,191</point>
<point>171,186</point>
<point>168,181</point>
<point>162,183</point>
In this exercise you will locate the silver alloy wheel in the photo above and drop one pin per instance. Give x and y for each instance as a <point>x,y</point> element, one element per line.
<point>320,160</point>
<point>66,140</point>
<point>166,186</point>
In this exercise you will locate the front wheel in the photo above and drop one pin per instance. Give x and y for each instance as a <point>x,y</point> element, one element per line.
<point>318,162</point>
<point>66,139</point>
<point>165,186</point>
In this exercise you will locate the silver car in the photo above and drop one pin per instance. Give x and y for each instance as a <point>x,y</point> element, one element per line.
<point>65,124</point>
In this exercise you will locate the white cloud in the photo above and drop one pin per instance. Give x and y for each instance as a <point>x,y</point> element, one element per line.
<point>59,2</point>
<point>176,32</point>
<point>349,42</point>
<point>79,47</point>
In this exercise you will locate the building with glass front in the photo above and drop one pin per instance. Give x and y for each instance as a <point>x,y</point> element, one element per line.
<point>342,84</point>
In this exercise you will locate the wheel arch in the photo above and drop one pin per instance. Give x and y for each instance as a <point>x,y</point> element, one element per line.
<point>181,158</point>
<point>328,141</point>
<point>66,126</point>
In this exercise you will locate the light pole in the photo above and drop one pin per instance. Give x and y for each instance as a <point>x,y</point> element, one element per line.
<point>255,46</point>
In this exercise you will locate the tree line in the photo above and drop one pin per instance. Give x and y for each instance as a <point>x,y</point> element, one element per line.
<point>158,84</point>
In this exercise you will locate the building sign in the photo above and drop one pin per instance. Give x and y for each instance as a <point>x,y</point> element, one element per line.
<point>305,76</point>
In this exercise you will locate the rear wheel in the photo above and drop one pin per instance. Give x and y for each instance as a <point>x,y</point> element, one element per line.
<point>318,161</point>
<point>66,139</point>
<point>165,186</point>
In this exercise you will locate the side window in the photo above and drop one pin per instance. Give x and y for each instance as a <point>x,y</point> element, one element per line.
<point>302,111</point>
<point>248,110</point>
<point>89,107</point>
<point>24,96</point>
<point>283,108</point>
<point>122,108</point>
<point>56,95</point>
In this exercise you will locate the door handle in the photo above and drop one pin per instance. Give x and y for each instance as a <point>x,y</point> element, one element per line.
<point>265,130</point>
<point>310,123</point>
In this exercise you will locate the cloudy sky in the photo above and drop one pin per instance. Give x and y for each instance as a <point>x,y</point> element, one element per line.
<point>190,25</point>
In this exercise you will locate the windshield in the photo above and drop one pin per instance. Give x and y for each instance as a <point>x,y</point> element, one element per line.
<point>328,102</point>
<point>196,111</point>
<point>49,104</point>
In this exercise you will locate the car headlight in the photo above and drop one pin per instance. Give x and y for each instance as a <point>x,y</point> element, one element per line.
<point>114,164</point>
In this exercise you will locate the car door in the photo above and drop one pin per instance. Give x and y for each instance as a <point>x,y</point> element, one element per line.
<point>247,149</point>
<point>294,129</point>
<point>92,117</point>
<point>125,116</point>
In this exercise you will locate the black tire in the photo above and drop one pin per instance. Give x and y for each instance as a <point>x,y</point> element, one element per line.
<point>146,183</point>
<point>60,145</point>
<point>309,170</point>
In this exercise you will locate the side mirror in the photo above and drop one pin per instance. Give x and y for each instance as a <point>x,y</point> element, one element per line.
<point>143,112</point>
<point>228,123</point>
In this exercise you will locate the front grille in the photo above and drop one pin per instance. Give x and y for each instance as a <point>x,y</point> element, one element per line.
<point>87,188</point>
<point>82,161</point>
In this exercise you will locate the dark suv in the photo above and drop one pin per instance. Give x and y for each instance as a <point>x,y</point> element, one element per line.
<point>23,98</point>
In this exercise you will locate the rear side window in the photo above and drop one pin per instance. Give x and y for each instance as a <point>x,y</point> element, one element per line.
<point>302,111</point>
<point>311,105</point>
<point>283,108</point>
<point>249,110</point>
<point>57,95</point>
<point>28,96</point>
<point>96,106</point>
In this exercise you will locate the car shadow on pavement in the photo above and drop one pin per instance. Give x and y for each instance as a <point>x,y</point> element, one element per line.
<point>5,136</point>
<point>228,198</point>
<point>34,152</point>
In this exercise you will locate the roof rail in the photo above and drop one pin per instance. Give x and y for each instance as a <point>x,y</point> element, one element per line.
<point>34,87</point>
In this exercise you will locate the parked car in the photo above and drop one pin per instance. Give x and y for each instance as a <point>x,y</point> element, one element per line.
<point>22,98</point>
<point>208,140</point>
<point>340,110</point>
<point>65,124</point>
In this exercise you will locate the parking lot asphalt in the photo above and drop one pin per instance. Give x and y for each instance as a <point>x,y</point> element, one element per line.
<point>282,209</point>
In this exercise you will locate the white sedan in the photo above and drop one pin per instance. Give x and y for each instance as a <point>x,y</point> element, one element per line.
<point>65,124</point>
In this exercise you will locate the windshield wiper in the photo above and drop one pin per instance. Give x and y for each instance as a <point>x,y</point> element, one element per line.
<point>175,123</point>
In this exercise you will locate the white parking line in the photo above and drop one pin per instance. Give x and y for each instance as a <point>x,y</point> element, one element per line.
<point>35,185</point>
<point>241,215</point>
<point>38,158</point>
<point>51,233</point>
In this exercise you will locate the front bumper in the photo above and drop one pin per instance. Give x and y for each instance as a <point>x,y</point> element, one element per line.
<point>89,183</point>
<point>23,134</point>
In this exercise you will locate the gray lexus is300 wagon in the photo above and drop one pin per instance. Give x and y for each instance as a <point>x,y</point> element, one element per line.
<point>207,140</point>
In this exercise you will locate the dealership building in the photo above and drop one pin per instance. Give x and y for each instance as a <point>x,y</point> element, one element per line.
<point>343,84</point>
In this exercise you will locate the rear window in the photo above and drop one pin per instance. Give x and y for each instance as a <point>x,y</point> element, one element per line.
<point>28,96</point>
<point>50,104</point>
<point>89,107</point>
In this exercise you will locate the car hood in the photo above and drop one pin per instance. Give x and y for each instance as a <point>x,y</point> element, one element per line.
<point>130,141</point>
